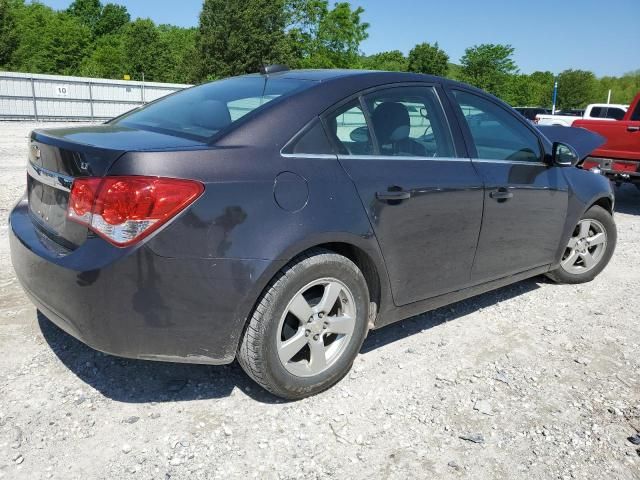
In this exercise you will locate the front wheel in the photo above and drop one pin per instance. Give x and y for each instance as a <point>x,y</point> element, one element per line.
<point>589,249</point>
<point>307,327</point>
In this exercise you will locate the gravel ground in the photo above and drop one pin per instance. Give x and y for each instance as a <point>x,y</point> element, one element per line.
<point>536,380</point>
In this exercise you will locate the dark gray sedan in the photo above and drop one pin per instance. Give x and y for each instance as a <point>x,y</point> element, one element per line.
<point>275,218</point>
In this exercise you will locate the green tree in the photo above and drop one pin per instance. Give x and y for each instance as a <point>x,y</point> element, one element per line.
<point>454,71</point>
<point>177,62</point>
<point>239,37</point>
<point>393,61</point>
<point>142,49</point>
<point>623,89</point>
<point>430,59</point>
<point>106,59</point>
<point>49,41</point>
<point>112,19</point>
<point>88,12</point>
<point>488,66</point>
<point>576,88</point>
<point>542,89</point>
<point>340,33</point>
<point>325,38</point>
<point>8,33</point>
<point>516,90</point>
<point>528,90</point>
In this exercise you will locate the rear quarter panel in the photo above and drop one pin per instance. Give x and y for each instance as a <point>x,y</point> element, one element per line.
<point>238,218</point>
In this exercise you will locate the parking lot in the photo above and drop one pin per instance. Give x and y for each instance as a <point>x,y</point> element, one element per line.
<point>534,381</point>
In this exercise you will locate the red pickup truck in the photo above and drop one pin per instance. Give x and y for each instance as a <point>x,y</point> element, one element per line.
<point>619,157</point>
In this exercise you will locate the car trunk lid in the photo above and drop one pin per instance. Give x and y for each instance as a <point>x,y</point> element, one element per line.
<point>57,157</point>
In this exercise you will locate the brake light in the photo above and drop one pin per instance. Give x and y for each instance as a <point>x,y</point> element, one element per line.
<point>124,210</point>
<point>589,164</point>
<point>624,167</point>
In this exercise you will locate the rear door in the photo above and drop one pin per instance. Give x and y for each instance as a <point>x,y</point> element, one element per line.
<point>525,198</point>
<point>423,200</point>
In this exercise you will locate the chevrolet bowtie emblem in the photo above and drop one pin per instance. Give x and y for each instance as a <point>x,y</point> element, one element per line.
<point>35,150</point>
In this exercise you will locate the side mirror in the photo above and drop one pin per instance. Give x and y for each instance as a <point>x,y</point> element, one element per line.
<point>565,155</point>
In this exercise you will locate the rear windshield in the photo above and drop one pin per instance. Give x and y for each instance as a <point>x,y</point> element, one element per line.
<point>201,112</point>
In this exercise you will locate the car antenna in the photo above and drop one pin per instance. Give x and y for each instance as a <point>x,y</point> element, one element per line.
<point>269,69</point>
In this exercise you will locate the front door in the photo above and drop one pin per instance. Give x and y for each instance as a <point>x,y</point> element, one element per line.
<point>525,198</point>
<point>424,203</point>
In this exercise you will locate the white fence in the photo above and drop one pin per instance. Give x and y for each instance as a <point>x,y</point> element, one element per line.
<point>25,96</point>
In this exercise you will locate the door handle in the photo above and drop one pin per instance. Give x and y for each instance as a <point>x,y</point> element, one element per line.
<point>632,128</point>
<point>501,194</point>
<point>393,195</point>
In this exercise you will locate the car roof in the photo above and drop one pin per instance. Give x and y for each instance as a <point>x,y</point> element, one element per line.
<point>333,74</point>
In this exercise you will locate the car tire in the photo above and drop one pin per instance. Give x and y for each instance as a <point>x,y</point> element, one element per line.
<point>274,332</point>
<point>589,249</point>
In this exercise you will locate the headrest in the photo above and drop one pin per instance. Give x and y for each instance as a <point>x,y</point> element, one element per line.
<point>211,114</point>
<point>391,122</point>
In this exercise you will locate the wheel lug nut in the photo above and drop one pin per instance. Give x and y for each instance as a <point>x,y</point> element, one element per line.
<point>325,325</point>
<point>316,337</point>
<point>310,320</point>
<point>321,314</point>
<point>307,333</point>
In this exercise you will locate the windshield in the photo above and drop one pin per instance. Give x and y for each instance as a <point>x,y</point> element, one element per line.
<point>201,112</point>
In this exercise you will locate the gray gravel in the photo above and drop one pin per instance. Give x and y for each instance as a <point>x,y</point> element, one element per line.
<point>533,381</point>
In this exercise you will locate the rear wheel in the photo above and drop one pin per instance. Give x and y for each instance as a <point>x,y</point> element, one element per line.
<point>308,326</point>
<point>589,249</point>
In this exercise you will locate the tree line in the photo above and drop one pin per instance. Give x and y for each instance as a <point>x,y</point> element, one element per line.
<point>101,40</point>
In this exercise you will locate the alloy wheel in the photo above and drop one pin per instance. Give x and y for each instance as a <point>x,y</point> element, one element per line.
<point>586,247</point>
<point>316,327</point>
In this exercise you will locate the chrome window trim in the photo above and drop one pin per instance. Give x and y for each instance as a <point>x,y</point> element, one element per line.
<point>47,177</point>
<point>402,157</point>
<point>511,162</point>
<point>330,156</point>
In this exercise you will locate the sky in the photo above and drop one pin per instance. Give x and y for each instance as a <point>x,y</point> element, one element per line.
<point>597,35</point>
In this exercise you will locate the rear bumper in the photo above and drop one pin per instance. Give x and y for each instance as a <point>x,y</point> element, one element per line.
<point>609,168</point>
<point>134,303</point>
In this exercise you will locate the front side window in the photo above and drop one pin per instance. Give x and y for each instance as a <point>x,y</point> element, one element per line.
<point>496,133</point>
<point>409,121</point>
<point>201,112</point>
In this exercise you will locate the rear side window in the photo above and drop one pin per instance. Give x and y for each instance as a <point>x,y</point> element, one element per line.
<point>312,141</point>
<point>201,112</point>
<point>615,113</point>
<point>598,112</point>
<point>497,134</point>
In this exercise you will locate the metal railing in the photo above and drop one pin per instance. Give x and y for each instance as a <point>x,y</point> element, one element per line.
<point>25,96</point>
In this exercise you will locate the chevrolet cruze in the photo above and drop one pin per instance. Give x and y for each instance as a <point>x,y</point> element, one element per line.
<point>276,218</point>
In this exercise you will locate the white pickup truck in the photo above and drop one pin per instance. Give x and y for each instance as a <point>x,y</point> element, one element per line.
<point>601,111</point>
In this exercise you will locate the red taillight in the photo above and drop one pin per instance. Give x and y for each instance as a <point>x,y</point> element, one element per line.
<point>83,197</point>
<point>123,210</point>
<point>624,167</point>
<point>589,164</point>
